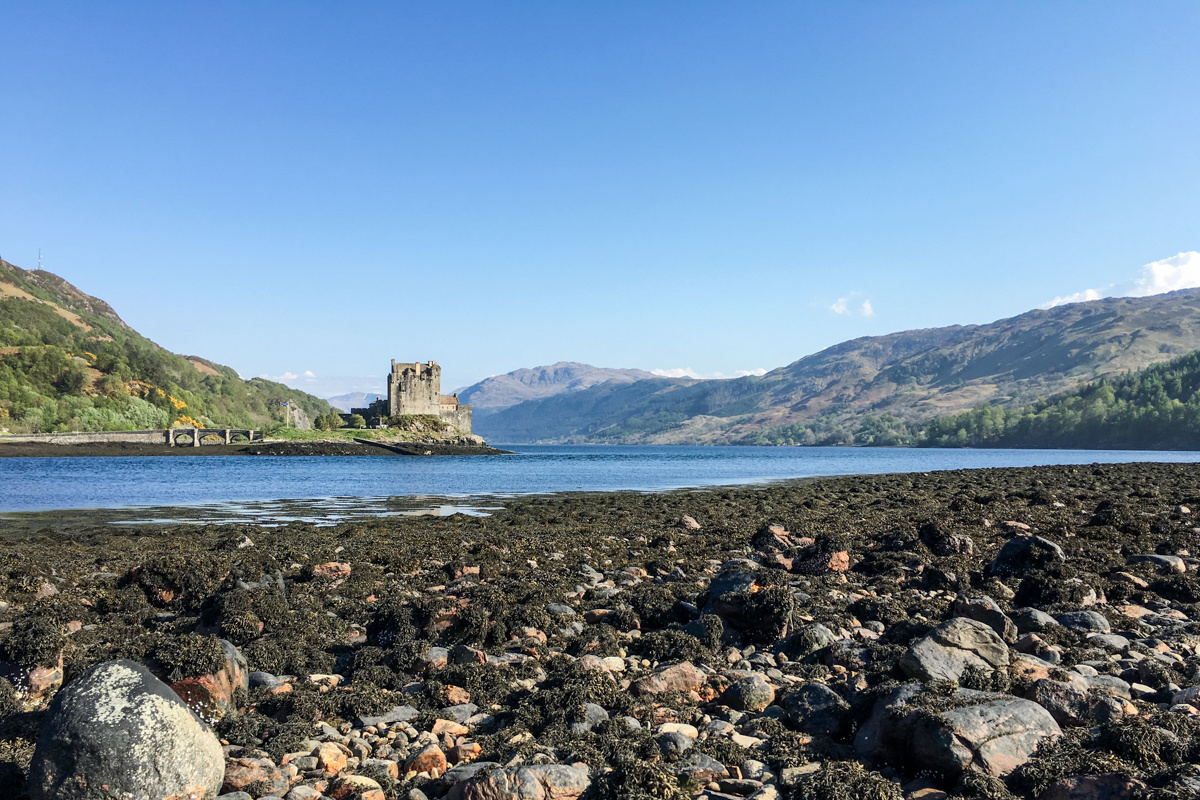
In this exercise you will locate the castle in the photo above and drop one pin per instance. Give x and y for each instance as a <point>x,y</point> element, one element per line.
<point>416,388</point>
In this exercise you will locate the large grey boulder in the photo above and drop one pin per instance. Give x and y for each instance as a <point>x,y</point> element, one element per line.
<point>986,610</point>
<point>1022,554</point>
<point>1084,621</point>
<point>1032,620</point>
<point>1072,702</point>
<point>396,714</point>
<point>118,727</point>
<point>948,650</point>
<point>995,736</point>
<point>525,782</point>
<point>590,716</point>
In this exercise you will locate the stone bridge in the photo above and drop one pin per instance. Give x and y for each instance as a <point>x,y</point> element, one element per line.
<point>198,436</point>
<point>195,437</point>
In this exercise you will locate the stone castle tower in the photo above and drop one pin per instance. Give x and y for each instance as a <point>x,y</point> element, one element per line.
<point>416,388</point>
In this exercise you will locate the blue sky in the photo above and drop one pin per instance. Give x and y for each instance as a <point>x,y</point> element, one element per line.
<point>321,187</point>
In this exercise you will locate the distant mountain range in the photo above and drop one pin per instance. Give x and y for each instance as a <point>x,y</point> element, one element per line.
<point>911,375</point>
<point>345,402</point>
<point>492,395</point>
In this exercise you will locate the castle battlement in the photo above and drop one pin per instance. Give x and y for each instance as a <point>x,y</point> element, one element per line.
<point>416,388</point>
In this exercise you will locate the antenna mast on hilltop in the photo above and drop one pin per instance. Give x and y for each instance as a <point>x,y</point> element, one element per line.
<point>39,258</point>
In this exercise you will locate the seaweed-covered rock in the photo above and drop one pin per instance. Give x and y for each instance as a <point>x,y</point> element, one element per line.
<point>953,647</point>
<point>817,709</point>
<point>751,693</point>
<point>590,716</point>
<point>119,727</point>
<point>760,613</point>
<point>808,640</point>
<point>1022,554</point>
<point>773,537</point>
<point>212,694</point>
<point>1109,786</point>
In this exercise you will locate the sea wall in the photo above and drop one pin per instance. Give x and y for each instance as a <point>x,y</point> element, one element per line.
<point>89,437</point>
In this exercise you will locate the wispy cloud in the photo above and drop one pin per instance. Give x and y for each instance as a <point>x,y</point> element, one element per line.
<point>844,307</point>
<point>305,380</point>
<point>688,372</point>
<point>307,376</point>
<point>1180,271</point>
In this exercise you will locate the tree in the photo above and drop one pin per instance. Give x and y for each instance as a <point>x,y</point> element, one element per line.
<point>357,421</point>
<point>71,382</point>
<point>329,421</point>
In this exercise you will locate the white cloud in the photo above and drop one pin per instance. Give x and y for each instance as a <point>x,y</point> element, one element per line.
<point>288,375</point>
<point>842,308</point>
<point>688,372</point>
<point>1180,271</point>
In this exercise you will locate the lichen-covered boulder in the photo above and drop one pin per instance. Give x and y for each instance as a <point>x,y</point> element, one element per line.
<point>117,731</point>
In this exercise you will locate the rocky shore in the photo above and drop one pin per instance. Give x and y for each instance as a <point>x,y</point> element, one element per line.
<point>978,634</point>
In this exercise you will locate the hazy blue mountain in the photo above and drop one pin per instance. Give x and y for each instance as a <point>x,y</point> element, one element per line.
<point>499,392</point>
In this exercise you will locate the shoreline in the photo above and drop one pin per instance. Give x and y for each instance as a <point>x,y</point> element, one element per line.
<point>270,447</point>
<point>669,644</point>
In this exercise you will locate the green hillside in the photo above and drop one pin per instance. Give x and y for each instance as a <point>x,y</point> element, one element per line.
<point>68,362</point>
<point>1157,408</point>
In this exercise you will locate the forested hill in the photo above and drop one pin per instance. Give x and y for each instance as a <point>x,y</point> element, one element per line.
<point>68,362</point>
<point>1157,408</point>
<point>872,390</point>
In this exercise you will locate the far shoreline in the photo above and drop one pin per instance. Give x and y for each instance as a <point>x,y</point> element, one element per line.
<point>270,447</point>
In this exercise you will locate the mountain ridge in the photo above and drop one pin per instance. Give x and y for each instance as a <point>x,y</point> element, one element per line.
<point>909,375</point>
<point>498,392</point>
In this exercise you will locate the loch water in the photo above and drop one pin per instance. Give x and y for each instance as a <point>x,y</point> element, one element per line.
<point>38,484</point>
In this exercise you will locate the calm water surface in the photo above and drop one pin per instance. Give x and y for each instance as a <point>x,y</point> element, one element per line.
<point>38,484</point>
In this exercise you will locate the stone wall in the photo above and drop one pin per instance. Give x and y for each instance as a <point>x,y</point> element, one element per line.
<point>89,437</point>
<point>459,417</point>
